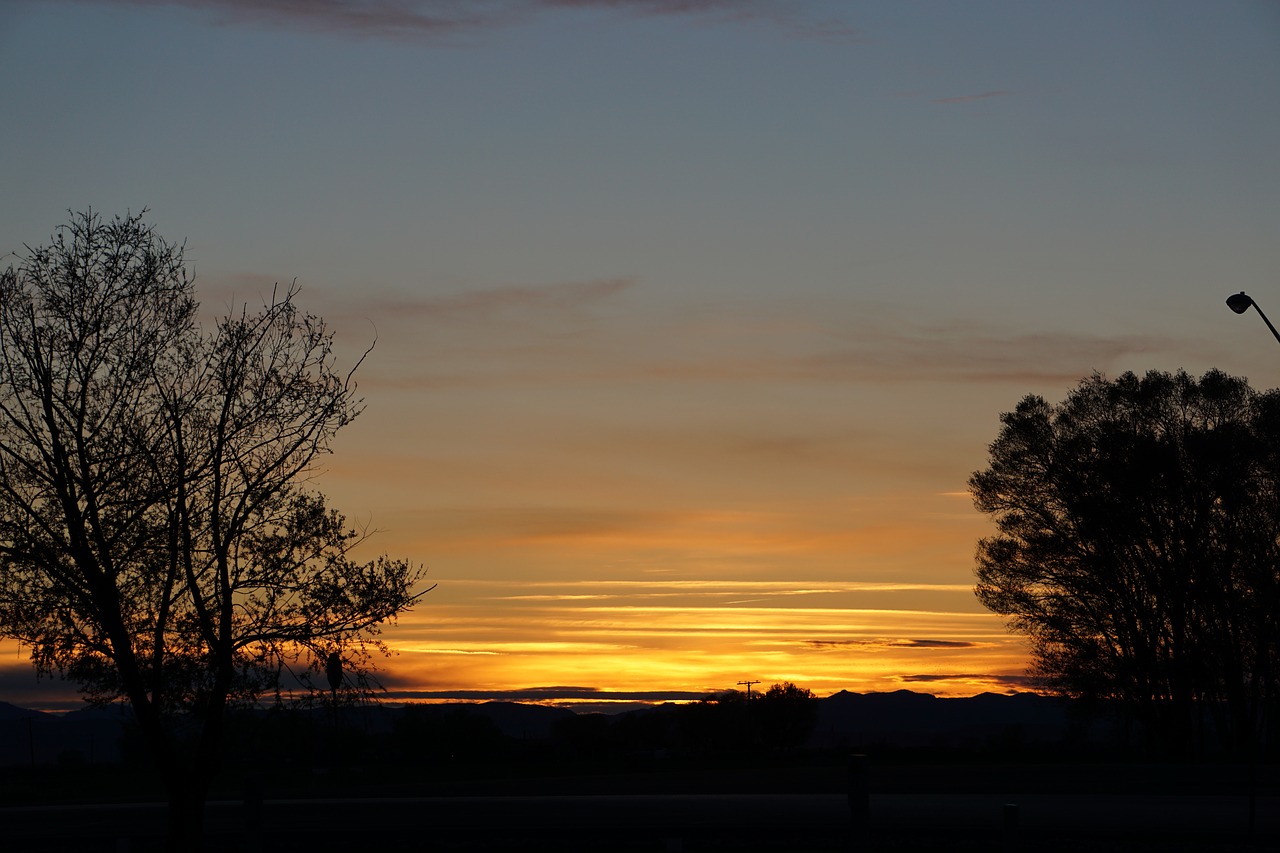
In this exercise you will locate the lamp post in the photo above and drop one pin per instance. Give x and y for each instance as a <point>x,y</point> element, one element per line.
<point>1241,302</point>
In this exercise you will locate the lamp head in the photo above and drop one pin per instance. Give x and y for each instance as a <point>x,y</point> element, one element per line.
<point>1239,302</point>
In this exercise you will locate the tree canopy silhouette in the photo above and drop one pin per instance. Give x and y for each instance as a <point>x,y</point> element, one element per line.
<point>158,541</point>
<point>1137,548</point>
<point>787,715</point>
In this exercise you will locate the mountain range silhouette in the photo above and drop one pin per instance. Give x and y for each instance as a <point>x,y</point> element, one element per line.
<point>899,720</point>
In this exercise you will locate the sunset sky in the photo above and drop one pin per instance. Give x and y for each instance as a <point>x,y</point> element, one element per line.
<point>693,317</point>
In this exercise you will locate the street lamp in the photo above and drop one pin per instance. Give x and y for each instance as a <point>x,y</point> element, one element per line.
<point>1240,303</point>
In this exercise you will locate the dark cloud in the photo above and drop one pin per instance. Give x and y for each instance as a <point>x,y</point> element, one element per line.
<point>934,644</point>
<point>652,7</point>
<point>895,644</point>
<point>438,19</point>
<point>777,13</point>
<point>377,18</point>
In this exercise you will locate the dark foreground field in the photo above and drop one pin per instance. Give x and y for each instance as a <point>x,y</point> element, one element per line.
<point>909,807</point>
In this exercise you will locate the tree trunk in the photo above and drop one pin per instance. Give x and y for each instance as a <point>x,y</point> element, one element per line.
<point>186,773</point>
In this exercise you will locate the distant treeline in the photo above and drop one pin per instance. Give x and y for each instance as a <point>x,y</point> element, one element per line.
<point>785,721</point>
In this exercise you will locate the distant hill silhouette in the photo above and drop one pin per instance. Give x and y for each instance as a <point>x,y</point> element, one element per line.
<point>522,722</point>
<point>905,719</point>
<point>10,712</point>
<point>91,735</point>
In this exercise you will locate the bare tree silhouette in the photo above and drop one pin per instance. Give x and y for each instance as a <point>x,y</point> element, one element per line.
<point>157,539</point>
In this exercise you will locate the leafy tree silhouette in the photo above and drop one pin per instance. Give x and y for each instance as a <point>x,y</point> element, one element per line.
<point>1137,548</point>
<point>787,715</point>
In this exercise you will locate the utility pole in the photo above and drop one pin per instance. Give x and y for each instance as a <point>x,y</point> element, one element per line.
<point>746,711</point>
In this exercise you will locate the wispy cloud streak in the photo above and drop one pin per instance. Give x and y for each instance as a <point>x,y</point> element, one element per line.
<point>557,297</point>
<point>968,99</point>
<point>784,587</point>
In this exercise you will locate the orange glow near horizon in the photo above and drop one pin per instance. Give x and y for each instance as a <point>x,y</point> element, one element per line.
<point>486,638</point>
<point>627,602</point>
<point>704,637</point>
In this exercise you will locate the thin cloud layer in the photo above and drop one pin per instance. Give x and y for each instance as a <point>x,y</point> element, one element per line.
<point>842,343</point>
<point>524,299</point>
<point>968,99</point>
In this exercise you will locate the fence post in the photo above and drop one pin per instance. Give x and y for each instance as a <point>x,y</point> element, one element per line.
<point>1011,827</point>
<point>859,793</point>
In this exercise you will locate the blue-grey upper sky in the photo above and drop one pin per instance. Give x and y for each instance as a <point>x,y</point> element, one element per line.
<point>683,291</point>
